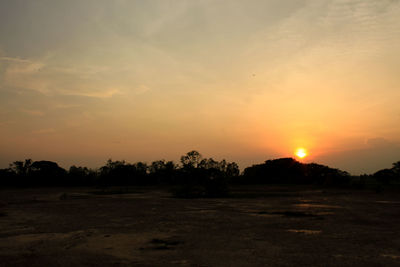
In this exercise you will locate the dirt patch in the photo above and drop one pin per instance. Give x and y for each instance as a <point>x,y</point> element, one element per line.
<point>114,192</point>
<point>395,257</point>
<point>151,229</point>
<point>295,214</point>
<point>65,196</point>
<point>162,244</point>
<point>124,246</point>
<point>387,202</point>
<point>305,231</point>
<point>316,206</point>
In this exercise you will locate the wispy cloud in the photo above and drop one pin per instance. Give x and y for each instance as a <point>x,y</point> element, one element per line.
<point>107,93</point>
<point>13,59</point>
<point>17,66</point>
<point>33,112</point>
<point>65,106</point>
<point>142,89</point>
<point>51,79</point>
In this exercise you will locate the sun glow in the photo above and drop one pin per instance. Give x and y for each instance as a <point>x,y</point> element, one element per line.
<point>301,153</point>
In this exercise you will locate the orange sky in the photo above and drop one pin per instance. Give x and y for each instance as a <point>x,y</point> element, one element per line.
<point>84,81</point>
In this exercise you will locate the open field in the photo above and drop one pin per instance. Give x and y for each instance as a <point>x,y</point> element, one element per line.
<point>256,226</point>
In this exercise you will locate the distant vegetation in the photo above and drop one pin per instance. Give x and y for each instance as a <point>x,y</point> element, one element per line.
<point>194,176</point>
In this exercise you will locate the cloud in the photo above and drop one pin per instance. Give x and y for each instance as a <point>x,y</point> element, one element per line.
<point>17,66</point>
<point>12,59</point>
<point>33,112</point>
<point>22,74</point>
<point>107,93</point>
<point>51,79</point>
<point>142,89</point>
<point>65,106</point>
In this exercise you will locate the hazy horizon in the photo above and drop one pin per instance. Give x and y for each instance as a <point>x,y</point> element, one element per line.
<point>85,81</point>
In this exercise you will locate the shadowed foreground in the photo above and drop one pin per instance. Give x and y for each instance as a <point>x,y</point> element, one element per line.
<point>256,226</point>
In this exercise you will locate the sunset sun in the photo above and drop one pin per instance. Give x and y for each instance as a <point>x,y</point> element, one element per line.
<point>301,153</point>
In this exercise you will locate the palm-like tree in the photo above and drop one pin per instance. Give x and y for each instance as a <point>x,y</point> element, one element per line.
<point>21,167</point>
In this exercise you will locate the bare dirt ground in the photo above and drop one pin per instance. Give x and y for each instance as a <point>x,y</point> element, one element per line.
<point>257,226</point>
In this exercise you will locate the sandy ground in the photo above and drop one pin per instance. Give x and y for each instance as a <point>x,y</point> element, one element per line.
<point>257,226</point>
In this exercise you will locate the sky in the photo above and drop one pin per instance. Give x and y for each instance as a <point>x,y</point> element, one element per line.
<point>82,81</point>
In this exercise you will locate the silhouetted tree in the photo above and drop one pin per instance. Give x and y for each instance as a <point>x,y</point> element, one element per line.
<point>47,173</point>
<point>141,168</point>
<point>232,170</point>
<point>204,177</point>
<point>384,176</point>
<point>8,177</point>
<point>162,172</point>
<point>21,168</point>
<point>191,159</point>
<point>81,176</point>
<point>209,164</point>
<point>396,169</point>
<point>122,173</point>
<point>290,171</point>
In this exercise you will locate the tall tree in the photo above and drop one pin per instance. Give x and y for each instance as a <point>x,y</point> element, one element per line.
<point>191,159</point>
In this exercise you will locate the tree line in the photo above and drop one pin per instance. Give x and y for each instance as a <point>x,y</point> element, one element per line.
<point>194,174</point>
<point>290,171</point>
<point>192,171</point>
